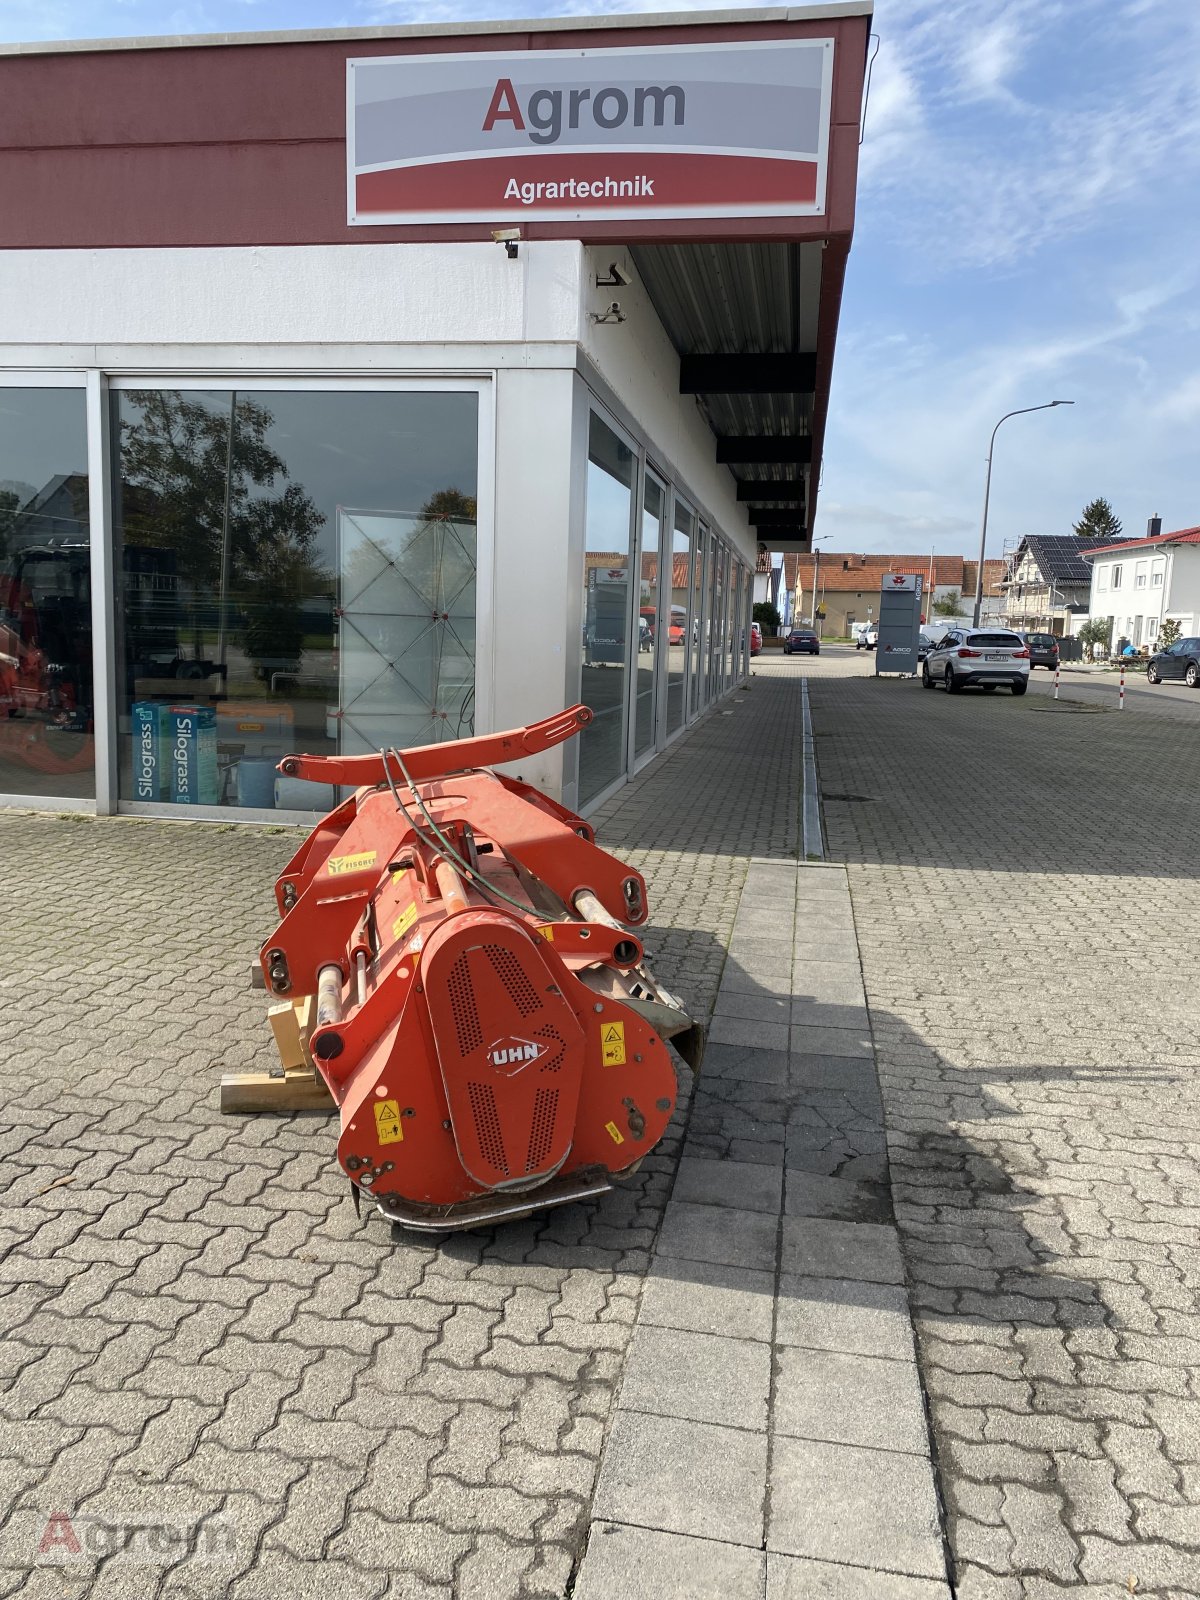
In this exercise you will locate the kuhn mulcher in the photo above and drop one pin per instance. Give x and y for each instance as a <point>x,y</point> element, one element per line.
<point>454,960</point>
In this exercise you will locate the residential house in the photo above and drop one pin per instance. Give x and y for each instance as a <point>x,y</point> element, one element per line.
<point>1048,583</point>
<point>1140,582</point>
<point>842,589</point>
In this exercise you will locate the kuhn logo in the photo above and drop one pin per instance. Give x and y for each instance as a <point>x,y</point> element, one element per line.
<point>508,1055</point>
<point>542,119</point>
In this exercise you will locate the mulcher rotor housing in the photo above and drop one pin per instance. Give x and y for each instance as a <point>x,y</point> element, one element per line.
<point>455,960</point>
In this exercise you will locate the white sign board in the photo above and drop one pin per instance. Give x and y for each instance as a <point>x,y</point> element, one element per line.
<point>737,129</point>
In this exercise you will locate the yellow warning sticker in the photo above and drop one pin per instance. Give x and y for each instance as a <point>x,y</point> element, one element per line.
<point>404,922</point>
<point>614,1133</point>
<point>612,1044</point>
<point>388,1129</point>
<point>357,863</point>
<point>547,931</point>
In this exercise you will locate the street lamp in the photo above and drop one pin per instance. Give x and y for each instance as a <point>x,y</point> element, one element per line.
<point>816,555</point>
<point>1049,406</point>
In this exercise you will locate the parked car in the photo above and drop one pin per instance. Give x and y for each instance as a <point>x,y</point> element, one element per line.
<point>866,635</point>
<point>755,639</point>
<point>986,658</point>
<point>924,645</point>
<point>1043,650</point>
<point>1178,660</point>
<point>801,641</point>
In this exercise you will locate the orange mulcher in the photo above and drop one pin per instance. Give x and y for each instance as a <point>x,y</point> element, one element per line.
<point>455,963</point>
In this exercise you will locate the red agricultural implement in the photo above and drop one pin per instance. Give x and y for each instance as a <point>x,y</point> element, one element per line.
<point>455,966</point>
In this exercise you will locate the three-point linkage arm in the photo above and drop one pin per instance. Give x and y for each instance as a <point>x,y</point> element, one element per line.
<point>427,761</point>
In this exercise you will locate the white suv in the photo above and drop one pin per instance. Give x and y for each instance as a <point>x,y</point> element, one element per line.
<point>990,658</point>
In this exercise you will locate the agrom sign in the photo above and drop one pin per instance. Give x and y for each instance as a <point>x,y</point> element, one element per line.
<point>721,130</point>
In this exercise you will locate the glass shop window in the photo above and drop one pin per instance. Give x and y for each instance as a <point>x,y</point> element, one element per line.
<point>295,571</point>
<point>606,603</point>
<point>46,711</point>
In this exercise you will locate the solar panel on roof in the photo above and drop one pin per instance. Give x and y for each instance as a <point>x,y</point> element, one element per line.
<point>1060,556</point>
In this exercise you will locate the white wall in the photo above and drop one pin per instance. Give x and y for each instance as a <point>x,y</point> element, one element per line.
<point>640,365</point>
<point>1177,596</point>
<point>427,294</point>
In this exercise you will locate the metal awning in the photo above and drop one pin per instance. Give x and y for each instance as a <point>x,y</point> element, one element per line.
<point>746,321</point>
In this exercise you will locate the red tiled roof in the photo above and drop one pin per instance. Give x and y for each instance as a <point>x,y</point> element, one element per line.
<point>1184,536</point>
<point>841,571</point>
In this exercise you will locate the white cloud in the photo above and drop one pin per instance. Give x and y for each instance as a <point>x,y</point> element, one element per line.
<point>986,126</point>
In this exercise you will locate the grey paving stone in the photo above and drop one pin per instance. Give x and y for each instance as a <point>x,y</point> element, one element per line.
<point>703,1376</point>
<point>822,883</point>
<point>752,1035</point>
<point>752,1066</point>
<point>816,918</point>
<point>628,1563</point>
<point>870,1319</point>
<point>838,944</point>
<point>746,1185</point>
<point>761,952</point>
<point>684,1477</point>
<point>719,1234</point>
<point>705,1298</point>
<point>849,1399</point>
<point>829,1041</point>
<point>797,1578</point>
<point>810,1012</point>
<point>852,1073</point>
<point>813,1247</point>
<point>762,922</point>
<point>759,1007</point>
<point>809,1194</point>
<point>775,980</point>
<point>837,982</point>
<point>865,1508</point>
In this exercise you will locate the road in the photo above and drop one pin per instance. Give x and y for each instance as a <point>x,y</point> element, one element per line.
<point>1018,880</point>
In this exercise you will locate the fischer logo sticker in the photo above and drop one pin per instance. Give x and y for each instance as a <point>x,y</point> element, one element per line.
<point>612,1044</point>
<point>614,1133</point>
<point>404,922</point>
<point>359,863</point>
<point>388,1127</point>
<point>510,1055</point>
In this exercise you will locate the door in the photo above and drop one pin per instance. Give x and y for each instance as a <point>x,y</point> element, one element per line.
<point>654,613</point>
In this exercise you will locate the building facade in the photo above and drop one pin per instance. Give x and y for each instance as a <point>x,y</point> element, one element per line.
<point>1138,583</point>
<point>363,389</point>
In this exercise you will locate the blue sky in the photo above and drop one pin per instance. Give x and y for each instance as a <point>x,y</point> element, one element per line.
<point>1028,230</point>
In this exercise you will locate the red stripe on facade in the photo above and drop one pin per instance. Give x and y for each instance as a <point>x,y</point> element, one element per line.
<point>651,181</point>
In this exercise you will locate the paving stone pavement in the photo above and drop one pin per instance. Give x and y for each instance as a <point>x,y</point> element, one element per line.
<point>196,1325</point>
<point>1023,888</point>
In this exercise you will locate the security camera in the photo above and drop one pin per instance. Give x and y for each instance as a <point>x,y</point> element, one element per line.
<point>614,308</point>
<point>510,238</point>
<point>618,277</point>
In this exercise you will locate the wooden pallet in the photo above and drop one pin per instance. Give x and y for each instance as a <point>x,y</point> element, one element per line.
<point>295,1084</point>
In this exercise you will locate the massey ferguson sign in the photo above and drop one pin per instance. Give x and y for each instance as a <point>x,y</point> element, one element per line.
<point>706,130</point>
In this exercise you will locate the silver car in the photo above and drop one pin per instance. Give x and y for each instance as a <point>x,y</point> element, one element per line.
<point>984,658</point>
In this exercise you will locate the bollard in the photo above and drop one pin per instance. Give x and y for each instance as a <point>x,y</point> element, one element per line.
<point>1056,680</point>
<point>1121,695</point>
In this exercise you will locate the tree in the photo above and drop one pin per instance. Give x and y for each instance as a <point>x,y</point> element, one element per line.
<point>948,605</point>
<point>1096,630</point>
<point>1168,633</point>
<point>765,614</point>
<point>450,504</point>
<point>204,483</point>
<point>1098,521</point>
